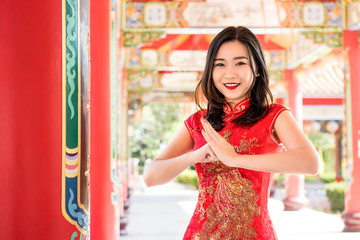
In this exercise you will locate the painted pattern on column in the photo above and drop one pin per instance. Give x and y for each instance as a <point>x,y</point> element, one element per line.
<point>73,209</point>
<point>116,196</point>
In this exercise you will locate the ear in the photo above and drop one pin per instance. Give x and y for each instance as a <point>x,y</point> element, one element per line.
<point>256,72</point>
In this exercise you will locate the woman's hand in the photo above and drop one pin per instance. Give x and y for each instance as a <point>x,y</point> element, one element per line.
<point>222,149</point>
<point>204,154</point>
<point>300,157</point>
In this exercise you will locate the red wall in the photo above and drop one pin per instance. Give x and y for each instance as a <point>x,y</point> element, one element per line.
<point>30,121</point>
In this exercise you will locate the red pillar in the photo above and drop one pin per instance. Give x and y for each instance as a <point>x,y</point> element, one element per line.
<point>102,218</point>
<point>31,121</point>
<point>294,184</point>
<point>351,216</point>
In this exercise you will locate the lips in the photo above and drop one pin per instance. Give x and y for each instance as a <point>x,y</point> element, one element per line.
<point>231,86</point>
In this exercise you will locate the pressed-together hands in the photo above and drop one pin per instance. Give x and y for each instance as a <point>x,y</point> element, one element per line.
<point>217,148</point>
<point>300,156</point>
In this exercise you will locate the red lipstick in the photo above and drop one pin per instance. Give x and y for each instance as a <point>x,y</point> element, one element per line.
<point>231,86</point>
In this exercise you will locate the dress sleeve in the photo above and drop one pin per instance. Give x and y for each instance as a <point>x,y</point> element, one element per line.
<point>275,112</point>
<point>193,123</point>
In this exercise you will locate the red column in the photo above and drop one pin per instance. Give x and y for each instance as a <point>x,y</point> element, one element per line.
<point>351,215</point>
<point>102,218</point>
<point>294,184</point>
<point>31,121</point>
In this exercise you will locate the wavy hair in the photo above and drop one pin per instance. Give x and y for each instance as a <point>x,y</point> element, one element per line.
<point>261,98</point>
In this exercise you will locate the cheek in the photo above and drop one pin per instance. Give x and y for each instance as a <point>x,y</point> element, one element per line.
<point>216,76</point>
<point>217,85</point>
<point>248,75</point>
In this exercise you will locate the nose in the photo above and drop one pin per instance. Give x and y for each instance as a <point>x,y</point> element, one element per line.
<point>230,73</point>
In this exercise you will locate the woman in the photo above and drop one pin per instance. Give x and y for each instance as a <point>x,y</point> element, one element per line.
<point>236,144</point>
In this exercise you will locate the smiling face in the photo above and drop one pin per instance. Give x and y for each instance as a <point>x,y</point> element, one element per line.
<point>232,73</point>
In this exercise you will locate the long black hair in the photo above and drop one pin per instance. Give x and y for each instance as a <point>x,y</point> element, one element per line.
<point>261,99</point>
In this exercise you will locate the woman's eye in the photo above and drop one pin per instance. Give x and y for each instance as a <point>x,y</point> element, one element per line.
<point>240,63</point>
<point>219,64</point>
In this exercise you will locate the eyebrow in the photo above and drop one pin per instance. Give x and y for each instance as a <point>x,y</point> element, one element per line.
<point>235,58</point>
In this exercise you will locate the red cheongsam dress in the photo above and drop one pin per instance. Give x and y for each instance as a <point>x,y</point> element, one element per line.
<point>232,202</point>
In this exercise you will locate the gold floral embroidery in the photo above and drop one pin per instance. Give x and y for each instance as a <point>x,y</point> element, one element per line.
<point>247,145</point>
<point>227,134</point>
<point>233,201</point>
<point>234,206</point>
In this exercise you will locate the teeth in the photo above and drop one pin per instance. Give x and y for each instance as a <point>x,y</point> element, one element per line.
<point>231,84</point>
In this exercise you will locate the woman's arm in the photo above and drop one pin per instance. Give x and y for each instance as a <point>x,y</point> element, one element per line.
<point>175,158</point>
<point>300,158</point>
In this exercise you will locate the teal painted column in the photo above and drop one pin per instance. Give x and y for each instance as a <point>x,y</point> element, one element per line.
<point>31,126</point>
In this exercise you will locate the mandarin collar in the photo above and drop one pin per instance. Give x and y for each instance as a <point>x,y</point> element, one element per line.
<point>239,107</point>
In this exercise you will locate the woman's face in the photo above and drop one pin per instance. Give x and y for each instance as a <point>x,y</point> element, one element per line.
<point>232,72</point>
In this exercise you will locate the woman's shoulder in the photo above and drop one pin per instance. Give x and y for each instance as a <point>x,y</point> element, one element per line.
<point>193,122</point>
<point>277,107</point>
<point>275,110</point>
<point>194,118</point>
